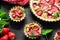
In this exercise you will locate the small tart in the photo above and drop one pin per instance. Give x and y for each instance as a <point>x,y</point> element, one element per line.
<point>57,35</point>
<point>17,13</point>
<point>46,10</point>
<point>32,30</point>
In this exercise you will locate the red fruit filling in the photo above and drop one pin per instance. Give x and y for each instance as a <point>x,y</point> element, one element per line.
<point>49,16</point>
<point>17,13</point>
<point>42,1</point>
<point>33,30</point>
<point>34,5</point>
<point>51,2</point>
<point>52,10</point>
<point>36,28</point>
<point>5,37</point>
<point>57,1</point>
<point>23,2</point>
<point>39,13</point>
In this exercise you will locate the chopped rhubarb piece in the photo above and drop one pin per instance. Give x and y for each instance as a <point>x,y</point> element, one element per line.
<point>29,32</point>
<point>46,7</point>
<point>54,8</point>
<point>41,4</point>
<point>39,13</point>
<point>43,1</point>
<point>36,28</point>
<point>51,2</point>
<point>36,33</point>
<point>50,12</point>
<point>14,11</point>
<point>34,5</point>
<point>49,16</point>
<point>57,1</point>
<point>13,15</point>
<point>20,15</point>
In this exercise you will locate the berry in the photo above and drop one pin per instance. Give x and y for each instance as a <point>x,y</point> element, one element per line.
<point>11,35</point>
<point>5,37</point>
<point>5,31</point>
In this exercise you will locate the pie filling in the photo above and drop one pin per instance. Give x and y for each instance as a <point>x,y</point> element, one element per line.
<point>32,30</point>
<point>17,14</point>
<point>47,8</point>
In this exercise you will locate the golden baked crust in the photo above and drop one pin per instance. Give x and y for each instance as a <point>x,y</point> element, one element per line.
<point>44,19</point>
<point>15,8</point>
<point>27,25</point>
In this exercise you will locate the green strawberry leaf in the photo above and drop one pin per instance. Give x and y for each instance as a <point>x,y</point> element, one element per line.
<point>45,32</point>
<point>32,35</point>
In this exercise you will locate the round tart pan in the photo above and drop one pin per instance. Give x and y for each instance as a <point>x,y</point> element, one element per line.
<point>44,19</point>
<point>35,23</point>
<point>15,8</point>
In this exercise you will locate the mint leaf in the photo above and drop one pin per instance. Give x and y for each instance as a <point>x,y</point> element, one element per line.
<point>55,15</point>
<point>24,11</point>
<point>45,32</point>
<point>3,18</point>
<point>32,35</point>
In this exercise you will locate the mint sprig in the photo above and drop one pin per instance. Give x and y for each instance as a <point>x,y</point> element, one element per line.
<point>3,18</point>
<point>32,35</point>
<point>24,11</point>
<point>45,32</point>
<point>55,14</point>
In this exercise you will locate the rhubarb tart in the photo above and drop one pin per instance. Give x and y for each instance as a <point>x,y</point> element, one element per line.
<point>32,30</point>
<point>46,10</point>
<point>17,13</point>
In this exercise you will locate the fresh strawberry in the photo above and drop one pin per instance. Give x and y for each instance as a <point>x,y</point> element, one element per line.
<point>11,35</point>
<point>5,37</point>
<point>58,38</point>
<point>58,32</point>
<point>51,2</point>
<point>39,13</point>
<point>5,30</point>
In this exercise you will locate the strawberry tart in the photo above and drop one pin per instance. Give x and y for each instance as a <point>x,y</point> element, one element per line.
<point>57,35</point>
<point>17,13</point>
<point>47,10</point>
<point>32,30</point>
